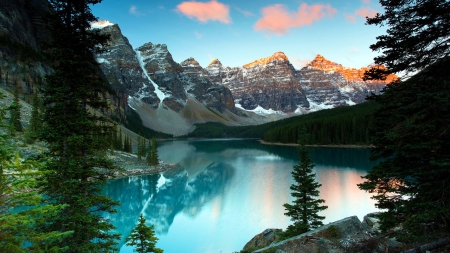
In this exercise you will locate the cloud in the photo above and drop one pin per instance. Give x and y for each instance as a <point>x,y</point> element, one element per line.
<point>133,11</point>
<point>362,12</point>
<point>351,17</point>
<point>366,1</point>
<point>277,19</point>
<point>246,13</point>
<point>198,35</point>
<point>366,12</point>
<point>204,12</point>
<point>299,63</point>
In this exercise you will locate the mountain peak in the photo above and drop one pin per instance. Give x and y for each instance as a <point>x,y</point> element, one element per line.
<point>101,24</point>
<point>322,63</point>
<point>190,62</point>
<point>215,61</point>
<point>278,56</point>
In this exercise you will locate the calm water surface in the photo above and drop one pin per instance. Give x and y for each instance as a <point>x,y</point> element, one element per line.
<point>226,191</point>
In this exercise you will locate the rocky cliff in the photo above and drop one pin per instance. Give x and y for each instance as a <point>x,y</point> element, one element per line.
<point>267,83</point>
<point>22,31</point>
<point>272,85</point>
<point>169,97</point>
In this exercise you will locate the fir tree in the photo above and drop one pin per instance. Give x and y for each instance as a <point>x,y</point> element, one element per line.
<point>35,126</point>
<point>152,156</point>
<point>411,128</point>
<point>143,237</point>
<point>417,35</point>
<point>141,147</point>
<point>18,229</point>
<point>75,135</point>
<point>305,191</point>
<point>14,112</point>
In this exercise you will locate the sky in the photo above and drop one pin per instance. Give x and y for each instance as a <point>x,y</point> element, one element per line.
<point>238,32</point>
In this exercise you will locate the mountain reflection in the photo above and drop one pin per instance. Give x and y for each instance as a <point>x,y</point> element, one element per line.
<point>161,197</point>
<point>232,189</point>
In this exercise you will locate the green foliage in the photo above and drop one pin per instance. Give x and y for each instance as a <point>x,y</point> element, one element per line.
<point>152,155</point>
<point>305,191</point>
<point>33,130</point>
<point>338,126</point>
<point>22,210</point>
<point>76,136</point>
<point>141,148</point>
<point>342,125</point>
<point>127,146</point>
<point>417,35</point>
<point>143,237</point>
<point>14,113</point>
<point>412,139</point>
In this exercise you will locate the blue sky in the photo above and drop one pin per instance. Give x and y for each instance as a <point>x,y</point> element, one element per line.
<point>238,32</point>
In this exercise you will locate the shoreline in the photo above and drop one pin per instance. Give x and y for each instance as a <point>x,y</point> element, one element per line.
<point>325,146</point>
<point>162,167</point>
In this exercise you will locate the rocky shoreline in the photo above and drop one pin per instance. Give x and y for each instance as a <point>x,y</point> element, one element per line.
<point>327,146</point>
<point>132,166</point>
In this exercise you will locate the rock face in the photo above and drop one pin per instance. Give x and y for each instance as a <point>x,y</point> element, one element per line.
<point>333,237</point>
<point>272,84</point>
<point>269,83</point>
<point>22,31</point>
<point>150,75</point>
<point>263,239</point>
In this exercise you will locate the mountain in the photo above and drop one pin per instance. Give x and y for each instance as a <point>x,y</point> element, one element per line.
<point>272,84</point>
<point>172,97</point>
<point>150,89</point>
<point>263,85</point>
<point>169,97</point>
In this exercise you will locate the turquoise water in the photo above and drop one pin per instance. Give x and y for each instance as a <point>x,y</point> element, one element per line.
<point>224,192</point>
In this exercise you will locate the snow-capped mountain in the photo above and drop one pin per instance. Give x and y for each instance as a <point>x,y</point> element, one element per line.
<point>272,84</point>
<point>171,97</point>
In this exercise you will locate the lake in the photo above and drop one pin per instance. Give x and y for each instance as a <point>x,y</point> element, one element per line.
<point>223,192</point>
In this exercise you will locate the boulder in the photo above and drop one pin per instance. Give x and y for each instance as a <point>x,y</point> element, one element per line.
<point>263,239</point>
<point>332,238</point>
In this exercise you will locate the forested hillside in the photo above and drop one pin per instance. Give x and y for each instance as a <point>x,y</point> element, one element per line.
<point>342,125</point>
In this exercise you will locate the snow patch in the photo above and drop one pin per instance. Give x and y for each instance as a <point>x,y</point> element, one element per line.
<point>161,181</point>
<point>317,107</point>
<point>101,24</point>
<point>103,60</point>
<point>158,92</point>
<point>261,111</point>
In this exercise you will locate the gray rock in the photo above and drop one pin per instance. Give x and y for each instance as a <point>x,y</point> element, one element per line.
<point>324,239</point>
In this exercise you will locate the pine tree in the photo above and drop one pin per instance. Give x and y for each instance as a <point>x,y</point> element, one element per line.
<point>412,141</point>
<point>35,126</point>
<point>75,135</point>
<point>305,191</point>
<point>153,153</point>
<point>417,35</point>
<point>141,147</point>
<point>411,128</point>
<point>14,112</point>
<point>22,210</point>
<point>143,237</point>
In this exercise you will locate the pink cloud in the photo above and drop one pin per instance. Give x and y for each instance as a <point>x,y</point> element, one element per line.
<point>277,19</point>
<point>204,12</point>
<point>366,12</point>
<point>366,1</point>
<point>351,18</point>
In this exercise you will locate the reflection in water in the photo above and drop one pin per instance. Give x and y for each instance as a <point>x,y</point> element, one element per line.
<point>226,191</point>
